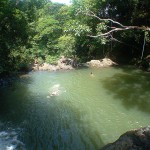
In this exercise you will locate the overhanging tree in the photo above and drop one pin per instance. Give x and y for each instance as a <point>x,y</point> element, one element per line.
<point>118,21</point>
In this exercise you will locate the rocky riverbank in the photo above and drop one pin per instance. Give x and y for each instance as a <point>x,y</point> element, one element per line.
<point>62,64</point>
<point>132,140</point>
<point>69,64</point>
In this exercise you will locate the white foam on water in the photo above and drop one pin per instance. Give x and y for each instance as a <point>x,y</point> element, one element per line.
<point>56,90</point>
<point>9,141</point>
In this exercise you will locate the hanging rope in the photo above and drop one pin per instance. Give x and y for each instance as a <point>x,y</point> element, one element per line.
<point>143,46</point>
<point>103,51</point>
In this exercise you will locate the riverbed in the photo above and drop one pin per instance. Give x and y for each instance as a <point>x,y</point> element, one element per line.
<point>73,110</point>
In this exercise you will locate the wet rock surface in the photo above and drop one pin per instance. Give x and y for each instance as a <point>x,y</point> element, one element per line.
<point>132,140</point>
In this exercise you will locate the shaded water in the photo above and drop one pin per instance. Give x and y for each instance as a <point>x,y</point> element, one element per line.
<point>86,113</point>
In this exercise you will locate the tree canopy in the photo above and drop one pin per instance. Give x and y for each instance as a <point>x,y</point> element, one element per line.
<point>89,29</point>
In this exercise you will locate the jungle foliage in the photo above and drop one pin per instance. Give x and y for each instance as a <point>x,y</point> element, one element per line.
<point>41,29</point>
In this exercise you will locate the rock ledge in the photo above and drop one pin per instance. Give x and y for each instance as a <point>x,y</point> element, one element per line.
<point>132,140</point>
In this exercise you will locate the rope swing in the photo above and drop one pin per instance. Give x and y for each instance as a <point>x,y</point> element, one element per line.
<point>143,45</point>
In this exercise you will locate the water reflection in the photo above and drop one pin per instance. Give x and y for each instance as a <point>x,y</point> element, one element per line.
<point>131,87</point>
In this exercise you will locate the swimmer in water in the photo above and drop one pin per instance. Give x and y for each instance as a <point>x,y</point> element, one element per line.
<point>92,75</point>
<point>55,93</point>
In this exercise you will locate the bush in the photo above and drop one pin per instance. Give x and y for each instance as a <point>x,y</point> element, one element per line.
<point>66,45</point>
<point>51,59</point>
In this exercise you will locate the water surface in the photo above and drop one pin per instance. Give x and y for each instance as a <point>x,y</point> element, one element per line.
<point>86,113</point>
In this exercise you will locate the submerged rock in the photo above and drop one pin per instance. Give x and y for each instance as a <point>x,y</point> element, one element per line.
<point>132,140</point>
<point>7,81</point>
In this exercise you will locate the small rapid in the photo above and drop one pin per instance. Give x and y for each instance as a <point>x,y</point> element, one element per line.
<point>9,140</point>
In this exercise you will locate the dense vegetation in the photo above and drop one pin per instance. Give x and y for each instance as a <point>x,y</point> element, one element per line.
<point>41,29</point>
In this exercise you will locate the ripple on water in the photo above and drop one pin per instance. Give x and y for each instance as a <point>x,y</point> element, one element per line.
<point>9,141</point>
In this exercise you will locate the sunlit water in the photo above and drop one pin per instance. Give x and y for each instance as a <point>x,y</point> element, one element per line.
<point>86,112</point>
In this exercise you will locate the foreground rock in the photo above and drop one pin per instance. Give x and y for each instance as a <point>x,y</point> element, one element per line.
<point>106,62</point>
<point>132,140</point>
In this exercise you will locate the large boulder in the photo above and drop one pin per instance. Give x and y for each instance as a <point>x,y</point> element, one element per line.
<point>106,62</point>
<point>62,64</point>
<point>132,140</point>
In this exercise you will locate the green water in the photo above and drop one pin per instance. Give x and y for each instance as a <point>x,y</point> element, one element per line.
<point>87,113</point>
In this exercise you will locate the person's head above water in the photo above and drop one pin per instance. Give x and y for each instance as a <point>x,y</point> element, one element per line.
<point>92,75</point>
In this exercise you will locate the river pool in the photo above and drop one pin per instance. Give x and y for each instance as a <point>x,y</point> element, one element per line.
<point>72,110</point>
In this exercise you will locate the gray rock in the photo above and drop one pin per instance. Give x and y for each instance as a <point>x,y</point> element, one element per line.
<point>132,140</point>
<point>62,64</point>
<point>106,62</point>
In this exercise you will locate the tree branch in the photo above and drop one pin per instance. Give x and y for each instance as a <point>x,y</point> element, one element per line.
<point>114,29</point>
<point>109,32</point>
<point>90,13</point>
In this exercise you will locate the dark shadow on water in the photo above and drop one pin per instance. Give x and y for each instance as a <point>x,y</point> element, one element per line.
<point>12,100</point>
<point>132,88</point>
